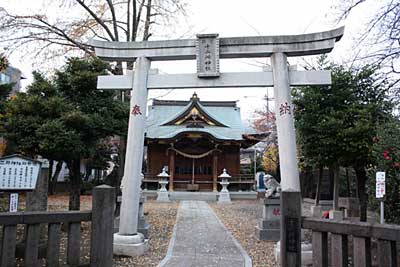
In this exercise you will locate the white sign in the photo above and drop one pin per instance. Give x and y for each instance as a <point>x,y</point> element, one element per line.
<point>207,46</point>
<point>18,173</point>
<point>380,176</point>
<point>380,185</point>
<point>13,202</point>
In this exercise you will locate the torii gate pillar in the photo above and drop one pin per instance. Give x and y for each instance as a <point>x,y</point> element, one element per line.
<point>290,182</point>
<point>128,241</point>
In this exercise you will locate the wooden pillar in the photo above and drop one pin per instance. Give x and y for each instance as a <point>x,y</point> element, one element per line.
<point>339,250</point>
<point>215,172</point>
<point>320,248</point>
<point>361,251</point>
<point>171,170</point>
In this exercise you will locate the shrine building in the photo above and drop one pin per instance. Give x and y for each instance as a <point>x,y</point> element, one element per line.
<point>195,140</point>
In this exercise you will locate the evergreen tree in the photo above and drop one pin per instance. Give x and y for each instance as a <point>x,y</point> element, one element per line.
<point>336,124</point>
<point>386,152</point>
<point>66,118</point>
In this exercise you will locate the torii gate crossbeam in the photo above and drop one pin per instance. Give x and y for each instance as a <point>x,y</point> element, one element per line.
<point>233,47</point>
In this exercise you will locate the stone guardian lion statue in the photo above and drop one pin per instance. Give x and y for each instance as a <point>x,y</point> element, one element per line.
<point>273,188</point>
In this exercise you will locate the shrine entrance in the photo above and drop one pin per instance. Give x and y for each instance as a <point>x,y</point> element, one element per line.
<point>193,170</point>
<point>207,50</point>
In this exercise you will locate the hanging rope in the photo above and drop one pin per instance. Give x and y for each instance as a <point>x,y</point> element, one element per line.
<point>193,156</point>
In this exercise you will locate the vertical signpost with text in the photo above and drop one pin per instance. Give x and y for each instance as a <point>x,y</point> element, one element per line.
<point>380,192</point>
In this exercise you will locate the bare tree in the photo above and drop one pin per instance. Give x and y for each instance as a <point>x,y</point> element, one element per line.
<point>45,35</point>
<point>381,36</point>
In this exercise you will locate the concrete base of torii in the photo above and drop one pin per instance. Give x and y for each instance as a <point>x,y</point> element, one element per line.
<point>130,245</point>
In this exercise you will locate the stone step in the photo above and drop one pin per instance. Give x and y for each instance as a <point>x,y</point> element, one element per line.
<point>202,196</point>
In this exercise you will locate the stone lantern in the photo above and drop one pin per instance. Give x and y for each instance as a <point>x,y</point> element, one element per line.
<point>224,196</point>
<point>162,194</point>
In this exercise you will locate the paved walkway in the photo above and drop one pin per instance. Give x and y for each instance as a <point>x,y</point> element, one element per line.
<point>201,240</point>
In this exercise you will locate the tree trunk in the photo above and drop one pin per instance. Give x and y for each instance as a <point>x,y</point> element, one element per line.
<point>54,177</point>
<point>361,175</point>
<point>75,184</point>
<point>317,194</point>
<point>331,175</point>
<point>336,186</point>
<point>50,189</point>
<point>348,183</point>
<point>278,172</point>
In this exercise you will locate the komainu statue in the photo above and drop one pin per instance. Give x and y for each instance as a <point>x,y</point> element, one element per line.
<point>273,188</point>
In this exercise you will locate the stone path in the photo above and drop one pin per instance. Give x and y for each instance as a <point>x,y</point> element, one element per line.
<point>201,240</point>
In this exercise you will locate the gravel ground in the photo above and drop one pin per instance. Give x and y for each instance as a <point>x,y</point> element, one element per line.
<point>240,218</point>
<point>161,217</point>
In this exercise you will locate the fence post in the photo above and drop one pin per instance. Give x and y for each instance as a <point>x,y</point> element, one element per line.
<point>101,252</point>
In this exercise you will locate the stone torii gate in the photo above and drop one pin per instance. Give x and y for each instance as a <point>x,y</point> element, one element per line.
<point>208,49</point>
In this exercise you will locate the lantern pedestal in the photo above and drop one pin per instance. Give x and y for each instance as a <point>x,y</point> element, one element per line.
<point>162,194</point>
<point>224,196</point>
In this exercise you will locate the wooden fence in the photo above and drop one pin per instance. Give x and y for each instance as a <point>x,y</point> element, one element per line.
<point>362,234</point>
<point>101,217</point>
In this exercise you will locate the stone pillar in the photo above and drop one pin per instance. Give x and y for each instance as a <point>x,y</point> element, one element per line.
<point>269,226</point>
<point>171,170</point>
<point>215,172</point>
<point>336,213</point>
<point>143,226</point>
<point>290,182</point>
<point>128,241</point>
<point>101,250</point>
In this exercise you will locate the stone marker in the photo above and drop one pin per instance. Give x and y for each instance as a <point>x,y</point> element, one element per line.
<point>143,226</point>
<point>269,226</point>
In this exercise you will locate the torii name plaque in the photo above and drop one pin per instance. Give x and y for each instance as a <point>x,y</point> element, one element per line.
<point>207,55</point>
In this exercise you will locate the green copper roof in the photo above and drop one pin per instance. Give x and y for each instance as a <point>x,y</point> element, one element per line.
<point>226,113</point>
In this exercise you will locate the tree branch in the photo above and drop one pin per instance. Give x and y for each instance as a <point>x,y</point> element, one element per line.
<point>146,30</point>
<point>114,19</point>
<point>96,18</point>
<point>128,21</point>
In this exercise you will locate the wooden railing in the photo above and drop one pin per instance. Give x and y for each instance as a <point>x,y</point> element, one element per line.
<point>361,234</point>
<point>101,217</point>
<point>242,178</point>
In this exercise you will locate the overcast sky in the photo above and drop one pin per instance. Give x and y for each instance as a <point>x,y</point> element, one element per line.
<point>241,18</point>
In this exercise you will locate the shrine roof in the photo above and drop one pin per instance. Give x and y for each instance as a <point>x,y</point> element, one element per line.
<point>166,119</point>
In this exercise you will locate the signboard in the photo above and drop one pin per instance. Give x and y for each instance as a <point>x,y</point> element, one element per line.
<point>380,185</point>
<point>207,48</point>
<point>18,173</point>
<point>13,202</point>
<point>292,237</point>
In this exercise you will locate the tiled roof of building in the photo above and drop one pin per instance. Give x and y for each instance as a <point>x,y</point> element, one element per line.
<point>226,124</point>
